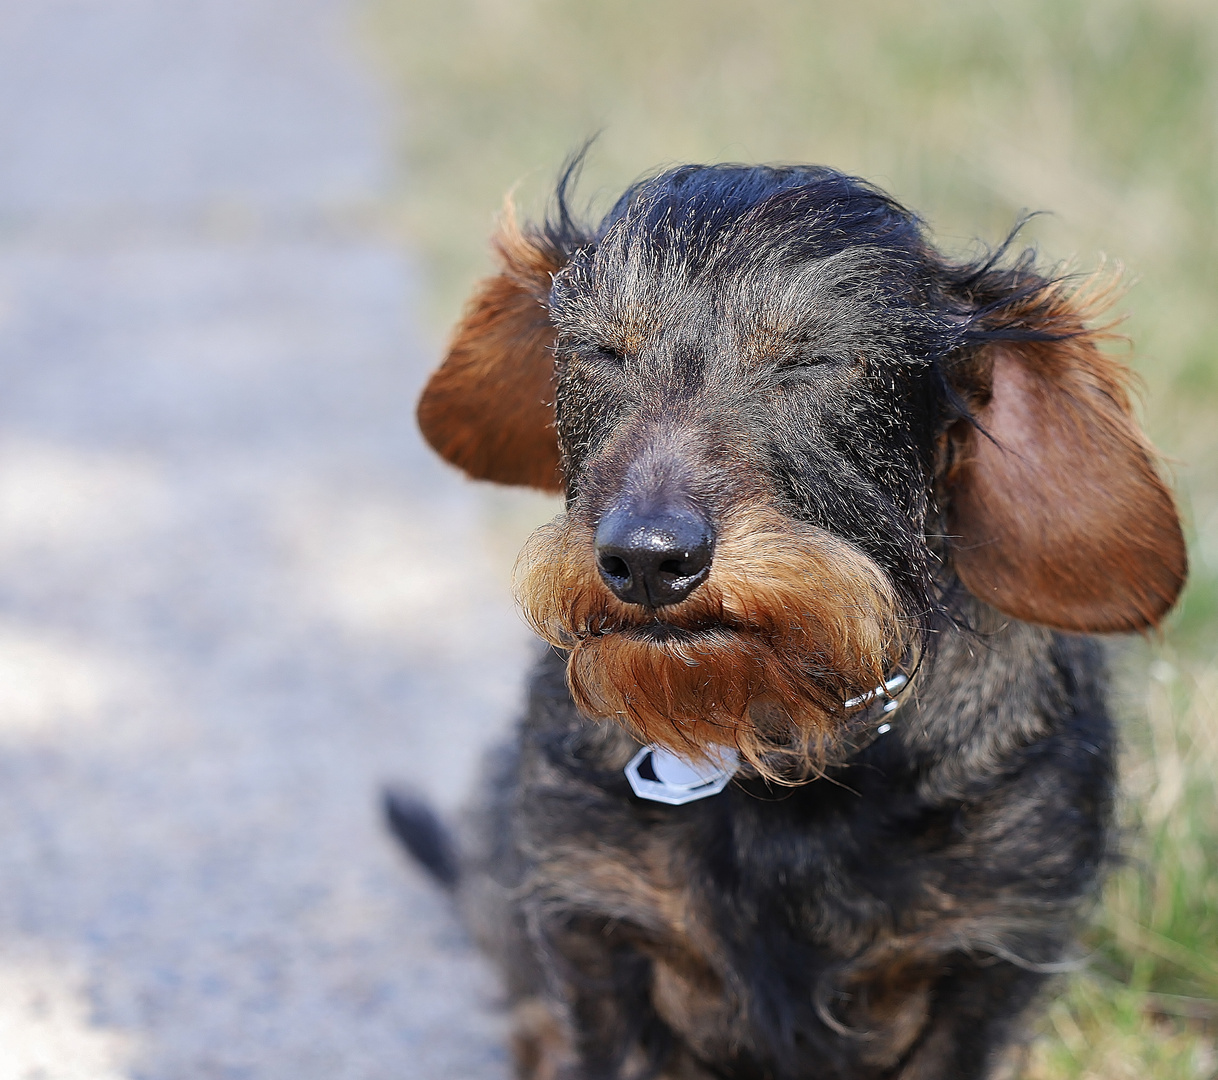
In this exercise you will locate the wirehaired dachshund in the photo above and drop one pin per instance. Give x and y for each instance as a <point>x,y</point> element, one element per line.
<point>816,778</point>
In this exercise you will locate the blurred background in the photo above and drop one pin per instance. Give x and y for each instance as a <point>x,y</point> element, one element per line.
<point>237,594</point>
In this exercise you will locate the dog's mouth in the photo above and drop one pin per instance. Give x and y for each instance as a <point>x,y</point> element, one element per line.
<point>658,631</point>
<point>790,625</point>
<point>663,625</point>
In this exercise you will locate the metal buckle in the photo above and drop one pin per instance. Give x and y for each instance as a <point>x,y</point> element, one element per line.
<point>889,689</point>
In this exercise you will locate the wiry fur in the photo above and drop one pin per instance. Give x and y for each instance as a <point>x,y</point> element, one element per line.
<point>792,622</point>
<point>904,460</point>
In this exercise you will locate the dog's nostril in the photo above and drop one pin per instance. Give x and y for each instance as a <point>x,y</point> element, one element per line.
<point>653,556</point>
<point>614,567</point>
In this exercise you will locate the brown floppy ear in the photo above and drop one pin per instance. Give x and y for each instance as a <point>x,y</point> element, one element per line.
<point>1059,516</point>
<point>489,408</point>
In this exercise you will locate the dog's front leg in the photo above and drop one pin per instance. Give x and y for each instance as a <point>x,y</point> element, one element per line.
<point>970,1035</point>
<point>598,1021</point>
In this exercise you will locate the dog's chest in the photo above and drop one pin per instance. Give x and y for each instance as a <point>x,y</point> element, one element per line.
<point>745,905</point>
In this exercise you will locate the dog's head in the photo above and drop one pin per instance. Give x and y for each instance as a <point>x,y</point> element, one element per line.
<point>787,428</point>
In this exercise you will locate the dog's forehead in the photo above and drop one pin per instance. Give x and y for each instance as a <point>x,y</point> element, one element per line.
<point>739,253</point>
<point>747,295</point>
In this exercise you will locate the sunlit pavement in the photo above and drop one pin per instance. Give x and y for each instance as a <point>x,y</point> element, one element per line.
<point>236,594</point>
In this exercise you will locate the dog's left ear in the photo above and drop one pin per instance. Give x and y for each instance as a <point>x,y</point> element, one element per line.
<point>489,408</point>
<point>1056,508</point>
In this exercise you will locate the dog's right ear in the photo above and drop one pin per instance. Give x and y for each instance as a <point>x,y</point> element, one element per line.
<point>489,408</point>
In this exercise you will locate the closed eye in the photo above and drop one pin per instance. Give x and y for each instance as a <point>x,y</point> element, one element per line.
<point>803,348</point>
<point>793,367</point>
<point>589,352</point>
<point>604,354</point>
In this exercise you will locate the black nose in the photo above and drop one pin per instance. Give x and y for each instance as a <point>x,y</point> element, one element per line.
<point>654,556</point>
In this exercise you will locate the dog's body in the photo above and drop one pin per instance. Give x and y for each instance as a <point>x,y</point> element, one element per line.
<point>802,451</point>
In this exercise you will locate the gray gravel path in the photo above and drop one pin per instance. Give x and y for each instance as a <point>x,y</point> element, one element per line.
<point>236,594</point>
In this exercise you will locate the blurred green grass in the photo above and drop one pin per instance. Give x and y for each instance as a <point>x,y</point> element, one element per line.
<point>1104,112</point>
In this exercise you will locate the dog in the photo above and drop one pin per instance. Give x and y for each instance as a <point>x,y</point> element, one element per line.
<point>816,778</point>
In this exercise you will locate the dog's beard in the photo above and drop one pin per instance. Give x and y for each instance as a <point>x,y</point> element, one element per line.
<point>791,623</point>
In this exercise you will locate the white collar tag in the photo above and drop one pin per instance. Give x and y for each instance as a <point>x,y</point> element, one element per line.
<point>661,776</point>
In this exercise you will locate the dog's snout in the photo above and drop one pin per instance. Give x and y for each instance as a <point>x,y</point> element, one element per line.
<point>655,556</point>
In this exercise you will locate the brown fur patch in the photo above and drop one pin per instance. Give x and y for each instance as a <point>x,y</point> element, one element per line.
<point>640,895</point>
<point>791,622</point>
<point>1061,515</point>
<point>540,1042</point>
<point>690,995</point>
<point>888,1010</point>
<point>489,408</point>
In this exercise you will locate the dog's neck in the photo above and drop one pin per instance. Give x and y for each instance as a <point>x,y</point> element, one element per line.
<point>657,774</point>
